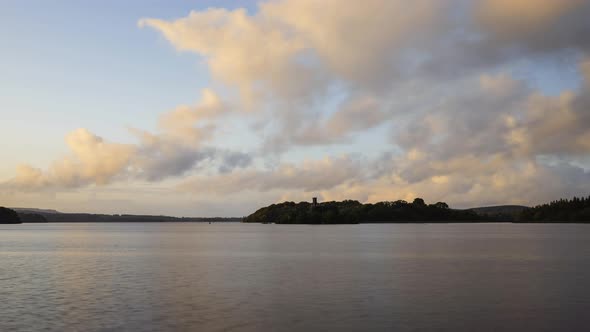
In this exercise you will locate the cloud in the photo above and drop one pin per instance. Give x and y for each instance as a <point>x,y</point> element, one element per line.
<point>92,161</point>
<point>501,115</point>
<point>233,160</point>
<point>94,158</point>
<point>309,175</point>
<point>461,181</point>
<point>176,149</point>
<point>312,51</point>
<point>352,116</point>
<point>355,48</point>
<point>510,19</point>
<point>295,49</point>
<point>554,125</point>
<point>231,42</point>
<point>315,52</point>
<point>160,157</point>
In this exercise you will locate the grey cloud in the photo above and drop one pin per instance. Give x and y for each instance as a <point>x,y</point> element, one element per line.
<point>308,176</point>
<point>233,160</point>
<point>533,25</point>
<point>165,160</point>
<point>352,116</point>
<point>499,115</point>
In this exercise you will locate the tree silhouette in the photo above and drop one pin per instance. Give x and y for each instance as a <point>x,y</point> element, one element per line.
<point>564,210</point>
<point>8,216</point>
<point>352,212</point>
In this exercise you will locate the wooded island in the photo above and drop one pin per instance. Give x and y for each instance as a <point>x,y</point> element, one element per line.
<point>400,211</point>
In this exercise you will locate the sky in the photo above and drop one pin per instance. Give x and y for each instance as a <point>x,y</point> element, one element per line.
<point>216,108</point>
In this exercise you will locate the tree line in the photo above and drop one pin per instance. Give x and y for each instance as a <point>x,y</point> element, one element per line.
<point>576,209</point>
<point>400,211</point>
<point>353,212</point>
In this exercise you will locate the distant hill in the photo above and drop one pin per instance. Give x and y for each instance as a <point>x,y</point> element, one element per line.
<point>500,212</point>
<point>89,217</point>
<point>26,217</point>
<point>34,210</point>
<point>34,215</point>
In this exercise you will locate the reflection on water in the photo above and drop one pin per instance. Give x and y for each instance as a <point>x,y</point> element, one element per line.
<point>179,277</point>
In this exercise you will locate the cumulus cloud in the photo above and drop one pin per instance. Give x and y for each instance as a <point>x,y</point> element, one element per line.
<point>232,42</point>
<point>92,161</point>
<point>295,49</point>
<point>189,123</point>
<point>177,148</point>
<point>359,41</point>
<point>502,115</point>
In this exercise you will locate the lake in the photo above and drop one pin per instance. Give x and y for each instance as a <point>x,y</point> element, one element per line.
<point>251,277</point>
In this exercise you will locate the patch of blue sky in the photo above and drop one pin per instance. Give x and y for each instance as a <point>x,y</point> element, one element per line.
<point>551,75</point>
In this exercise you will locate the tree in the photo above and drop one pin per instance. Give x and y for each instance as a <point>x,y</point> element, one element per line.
<point>418,202</point>
<point>441,205</point>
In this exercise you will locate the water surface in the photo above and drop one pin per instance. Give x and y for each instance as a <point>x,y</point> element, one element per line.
<point>243,277</point>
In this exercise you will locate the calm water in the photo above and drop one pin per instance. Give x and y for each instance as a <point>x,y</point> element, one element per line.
<point>225,277</point>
